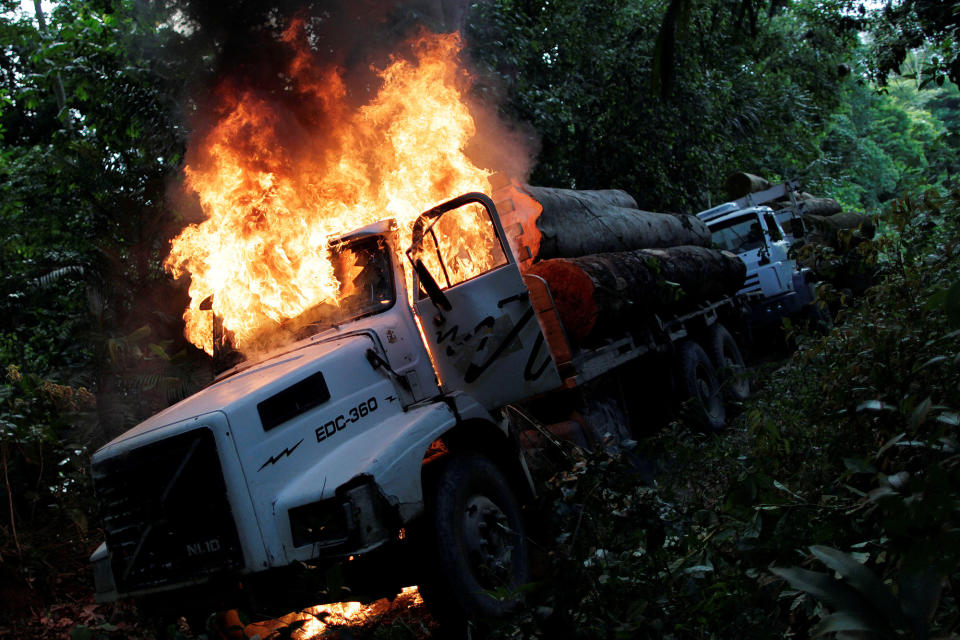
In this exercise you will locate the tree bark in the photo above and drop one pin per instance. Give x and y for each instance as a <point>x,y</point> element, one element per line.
<point>740,184</point>
<point>601,294</point>
<point>819,207</point>
<point>579,223</point>
<point>826,229</point>
<point>557,200</point>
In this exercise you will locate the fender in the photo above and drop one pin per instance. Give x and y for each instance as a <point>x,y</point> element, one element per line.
<point>391,454</point>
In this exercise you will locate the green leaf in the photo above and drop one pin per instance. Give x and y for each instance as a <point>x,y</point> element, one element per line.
<point>889,443</point>
<point>846,621</point>
<point>824,587</point>
<point>932,361</point>
<point>863,580</point>
<point>951,418</point>
<point>139,334</point>
<point>920,413</point>
<point>919,595</point>
<point>874,405</point>
<point>951,305</point>
<point>158,351</point>
<point>779,485</point>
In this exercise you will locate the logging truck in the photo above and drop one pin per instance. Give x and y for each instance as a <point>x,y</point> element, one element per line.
<point>377,444</point>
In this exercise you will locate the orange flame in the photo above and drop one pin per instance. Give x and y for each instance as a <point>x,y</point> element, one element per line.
<point>275,186</point>
<point>313,622</point>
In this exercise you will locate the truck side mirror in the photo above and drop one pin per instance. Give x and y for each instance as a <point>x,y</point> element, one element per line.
<point>430,285</point>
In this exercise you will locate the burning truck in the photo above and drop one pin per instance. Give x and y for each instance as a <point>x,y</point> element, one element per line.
<point>369,427</point>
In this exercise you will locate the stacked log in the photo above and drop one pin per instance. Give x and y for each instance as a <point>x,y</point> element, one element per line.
<point>824,216</point>
<point>608,292</point>
<point>822,207</point>
<point>741,184</point>
<point>580,223</point>
<point>607,262</point>
<point>544,223</point>
<point>830,226</point>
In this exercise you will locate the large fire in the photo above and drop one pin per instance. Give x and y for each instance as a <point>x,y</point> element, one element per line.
<point>275,186</point>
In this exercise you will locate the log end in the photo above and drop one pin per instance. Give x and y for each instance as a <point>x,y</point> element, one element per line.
<point>740,184</point>
<point>572,292</point>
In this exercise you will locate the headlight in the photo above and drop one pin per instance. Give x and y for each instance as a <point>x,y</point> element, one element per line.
<point>322,523</point>
<point>358,515</point>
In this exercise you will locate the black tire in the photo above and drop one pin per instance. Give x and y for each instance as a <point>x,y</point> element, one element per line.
<point>478,537</point>
<point>698,384</point>
<point>728,361</point>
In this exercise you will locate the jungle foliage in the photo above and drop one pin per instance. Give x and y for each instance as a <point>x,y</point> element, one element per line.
<point>661,99</point>
<point>782,88</point>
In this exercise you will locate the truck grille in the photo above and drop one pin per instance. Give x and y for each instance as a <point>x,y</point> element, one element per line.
<point>752,283</point>
<point>165,512</point>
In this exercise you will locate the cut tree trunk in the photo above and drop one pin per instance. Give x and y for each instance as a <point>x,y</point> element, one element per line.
<point>820,207</point>
<point>556,200</point>
<point>826,229</point>
<point>740,184</point>
<point>580,223</point>
<point>839,221</point>
<point>604,293</point>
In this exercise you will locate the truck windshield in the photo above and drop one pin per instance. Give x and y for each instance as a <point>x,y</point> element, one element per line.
<point>363,269</point>
<point>738,235</point>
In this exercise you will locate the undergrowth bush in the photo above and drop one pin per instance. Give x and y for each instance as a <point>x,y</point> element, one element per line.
<point>829,507</point>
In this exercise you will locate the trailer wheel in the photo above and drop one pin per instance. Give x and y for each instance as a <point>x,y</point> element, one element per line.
<point>479,541</point>
<point>698,384</point>
<point>728,361</point>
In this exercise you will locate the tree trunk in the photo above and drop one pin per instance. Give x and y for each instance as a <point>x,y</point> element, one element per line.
<point>740,184</point>
<point>825,229</point>
<point>600,294</point>
<point>820,207</point>
<point>845,220</point>
<point>560,200</point>
<point>579,223</point>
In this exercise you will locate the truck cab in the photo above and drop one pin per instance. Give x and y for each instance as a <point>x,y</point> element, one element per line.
<point>332,445</point>
<point>755,235</point>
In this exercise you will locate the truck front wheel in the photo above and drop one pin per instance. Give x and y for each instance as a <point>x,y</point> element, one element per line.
<point>698,384</point>
<point>479,541</point>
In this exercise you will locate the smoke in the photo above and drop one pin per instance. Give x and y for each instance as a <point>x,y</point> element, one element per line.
<point>250,39</point>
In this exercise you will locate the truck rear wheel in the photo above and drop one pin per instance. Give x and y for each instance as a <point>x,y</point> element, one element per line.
<point>479,541</point>
<point>728,361</point>
<point>698,384</point>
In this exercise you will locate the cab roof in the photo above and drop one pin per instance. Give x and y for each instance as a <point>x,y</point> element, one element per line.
<point>733,215</point>
<point>376,229</point>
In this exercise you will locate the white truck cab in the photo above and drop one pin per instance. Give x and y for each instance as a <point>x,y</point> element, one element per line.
<point>756,235</point>
<point>319,452</point>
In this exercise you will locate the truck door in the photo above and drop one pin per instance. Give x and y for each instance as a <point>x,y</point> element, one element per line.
<point>477,319</point>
